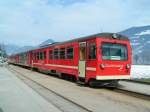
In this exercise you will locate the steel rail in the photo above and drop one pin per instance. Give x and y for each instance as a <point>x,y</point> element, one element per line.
<point>117,89</point>
<point>65,98</point>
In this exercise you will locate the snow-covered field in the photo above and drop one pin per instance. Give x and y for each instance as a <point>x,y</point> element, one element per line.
<point>140,71</point>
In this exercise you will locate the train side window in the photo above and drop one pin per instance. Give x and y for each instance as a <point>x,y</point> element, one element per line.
<point>32,56</point>
<point>55,54</point>
<point>92,51</point>
<point>70,52</point>
<point>35,57</point>
<point>41,56</point>
<point>62,53</point>
<point>44,55</point>
<point>38,57</point>
<point>51,54</point>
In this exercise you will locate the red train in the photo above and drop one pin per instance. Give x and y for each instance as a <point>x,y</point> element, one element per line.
<point>103,59</point>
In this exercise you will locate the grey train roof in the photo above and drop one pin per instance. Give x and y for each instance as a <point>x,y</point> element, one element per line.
<point>102,35</point>
<point>99,35</point>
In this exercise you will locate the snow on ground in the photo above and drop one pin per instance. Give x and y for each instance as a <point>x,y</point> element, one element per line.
<point>140,71</point>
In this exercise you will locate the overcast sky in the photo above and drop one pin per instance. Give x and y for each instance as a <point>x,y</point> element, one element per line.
<point>29,22</point>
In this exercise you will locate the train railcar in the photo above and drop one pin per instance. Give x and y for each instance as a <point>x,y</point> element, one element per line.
<point>100,59</point>
<point>13,59</point>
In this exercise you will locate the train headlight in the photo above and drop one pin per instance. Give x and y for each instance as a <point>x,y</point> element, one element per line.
<point>102,66</point>
<point>128,66</point>
<point>114,36</point>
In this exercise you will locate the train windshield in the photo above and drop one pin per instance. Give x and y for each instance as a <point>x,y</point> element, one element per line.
<point>114,51</point>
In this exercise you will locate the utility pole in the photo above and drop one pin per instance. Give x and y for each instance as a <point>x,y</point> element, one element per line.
<point>100,28</point>
<point>1,54</point>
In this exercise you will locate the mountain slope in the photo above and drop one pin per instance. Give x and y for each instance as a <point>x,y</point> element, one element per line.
<point>13,49</point>
<point>139,37</point>
<point>140,41</point>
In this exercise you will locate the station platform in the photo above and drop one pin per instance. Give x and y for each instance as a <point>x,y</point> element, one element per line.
<point>16,96</point>
<point>94,99</point>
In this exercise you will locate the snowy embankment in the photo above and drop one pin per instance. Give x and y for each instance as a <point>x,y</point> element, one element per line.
<point>140,71</point>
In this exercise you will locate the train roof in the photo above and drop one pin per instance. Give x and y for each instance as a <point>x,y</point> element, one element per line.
<point>102,35</point>
<point>98,35</point>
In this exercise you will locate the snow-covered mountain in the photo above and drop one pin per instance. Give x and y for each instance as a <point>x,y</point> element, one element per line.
<point>13,49</point>
<point>139,37</point>
<point>140,41</point>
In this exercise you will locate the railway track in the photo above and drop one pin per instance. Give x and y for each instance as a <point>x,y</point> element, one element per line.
<point>136,81</point>
<point>63,101</point>
<point>119,89</point>
<point>133,93</point>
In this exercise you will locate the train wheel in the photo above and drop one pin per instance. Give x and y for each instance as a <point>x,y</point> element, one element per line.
<point>91,83</point>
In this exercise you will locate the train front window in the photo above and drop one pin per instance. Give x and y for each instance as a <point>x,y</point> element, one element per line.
<point>114,51</point>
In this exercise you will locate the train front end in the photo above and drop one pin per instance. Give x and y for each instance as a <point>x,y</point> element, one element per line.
<point>114,59</point>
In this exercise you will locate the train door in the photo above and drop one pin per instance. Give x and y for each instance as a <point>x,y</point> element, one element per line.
<point>82,60</point>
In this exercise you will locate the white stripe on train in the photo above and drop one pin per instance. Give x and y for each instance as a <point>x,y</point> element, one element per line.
<point>91,69</point>
<point>113,77</point>
<point>66,66</point>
